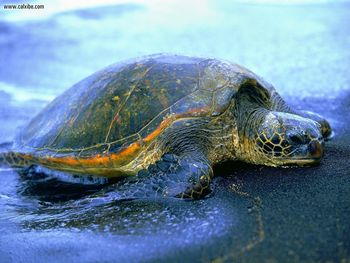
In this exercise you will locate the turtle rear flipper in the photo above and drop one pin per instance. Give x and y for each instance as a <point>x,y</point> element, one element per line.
<point>14,160</point>
<point>172,176</point>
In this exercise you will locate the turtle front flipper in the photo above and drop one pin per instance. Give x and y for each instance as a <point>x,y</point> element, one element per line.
<point>172,176</point>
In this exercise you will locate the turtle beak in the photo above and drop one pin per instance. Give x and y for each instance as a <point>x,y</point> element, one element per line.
<point>316,149</point>
<point>314,153</point>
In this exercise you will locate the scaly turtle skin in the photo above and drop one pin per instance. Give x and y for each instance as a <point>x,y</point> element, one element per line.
<point>168,119</point>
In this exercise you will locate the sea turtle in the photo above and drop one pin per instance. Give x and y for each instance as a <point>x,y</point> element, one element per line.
<point>163,121</point>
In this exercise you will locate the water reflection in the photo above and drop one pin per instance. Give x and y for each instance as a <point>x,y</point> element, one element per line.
<point>43,202</point>
<point>36,204</point>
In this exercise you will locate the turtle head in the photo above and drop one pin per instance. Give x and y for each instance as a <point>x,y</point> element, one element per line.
<point>284,139</point>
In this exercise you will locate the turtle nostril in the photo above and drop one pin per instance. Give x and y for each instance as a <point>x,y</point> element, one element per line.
<point>315,149</point>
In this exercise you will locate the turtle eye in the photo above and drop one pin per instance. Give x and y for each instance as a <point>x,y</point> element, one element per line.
<point>296,138</point>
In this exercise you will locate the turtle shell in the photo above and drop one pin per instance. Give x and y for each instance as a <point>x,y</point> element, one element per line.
<point>107,119</point>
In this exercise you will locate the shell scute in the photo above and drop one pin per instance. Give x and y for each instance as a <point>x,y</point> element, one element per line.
<point>156,91</point>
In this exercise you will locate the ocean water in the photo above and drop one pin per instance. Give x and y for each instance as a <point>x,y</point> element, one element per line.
<point>302,47</point>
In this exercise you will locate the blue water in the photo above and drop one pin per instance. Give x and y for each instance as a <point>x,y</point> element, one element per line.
<point>303,49</point>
